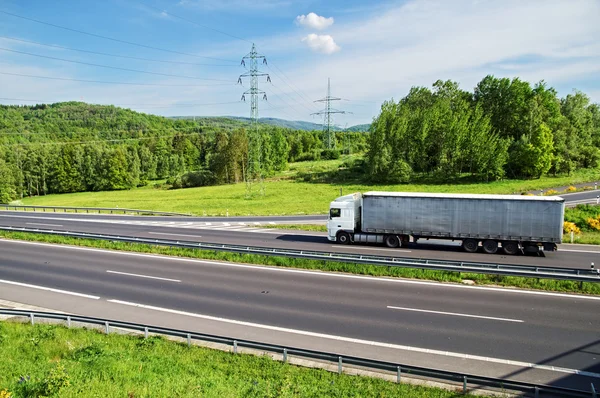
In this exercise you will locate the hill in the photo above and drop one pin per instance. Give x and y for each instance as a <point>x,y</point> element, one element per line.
<point>289,124</point>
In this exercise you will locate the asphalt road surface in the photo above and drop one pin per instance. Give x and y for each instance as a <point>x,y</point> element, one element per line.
<point>420,323</point>
<point>244,233</point>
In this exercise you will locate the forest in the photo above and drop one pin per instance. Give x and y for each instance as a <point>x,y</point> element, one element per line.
<point>77,147</point>
<point>505,128</point>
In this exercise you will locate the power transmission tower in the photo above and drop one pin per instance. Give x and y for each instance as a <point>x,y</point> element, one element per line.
<point>328,111</point>
<point>254,168</point>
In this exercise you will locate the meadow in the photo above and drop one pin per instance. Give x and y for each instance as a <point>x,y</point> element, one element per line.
<point>304,188</point>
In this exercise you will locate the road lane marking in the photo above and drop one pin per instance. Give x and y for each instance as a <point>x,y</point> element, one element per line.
<point>47,225</point>
<point>164,233</point>
<point>313,273</point>
<point>455,314</point>
<point>580,251</point>
<point>143,276</point>
<point>361,341</point>
<point>49,289</point>
<point>368,248</point>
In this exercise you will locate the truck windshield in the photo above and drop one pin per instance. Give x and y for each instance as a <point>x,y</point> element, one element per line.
<point>335,213</point>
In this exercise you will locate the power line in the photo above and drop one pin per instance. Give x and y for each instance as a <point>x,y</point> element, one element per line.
<point>140,106</point>
<point>290,86</point>
<point>110,82</point>
<point>197,24</point>
<point>328,112</point>
<point>112,55</point>
<point>112,38</point>
<point>110,67</point>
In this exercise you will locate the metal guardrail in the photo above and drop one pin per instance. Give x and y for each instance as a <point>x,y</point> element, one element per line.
<point>572,274</point>
<point>99,210</point>
<point>398,369</point>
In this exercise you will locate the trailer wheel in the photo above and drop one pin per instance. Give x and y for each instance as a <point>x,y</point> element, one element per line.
<point>392,241</point>
<point>343,238</point>
<point>490,246</point>
<point>510,248</point>
<point>470,245</point>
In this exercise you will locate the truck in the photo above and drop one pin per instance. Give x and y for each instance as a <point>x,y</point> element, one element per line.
<point>510,223</point>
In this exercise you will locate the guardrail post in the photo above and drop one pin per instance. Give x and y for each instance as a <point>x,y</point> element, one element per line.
<point>54,209</point>
<point>594,394</point>
<point>189,339</point>
<point>399,375</point>
<point>285,357</point>
<point>537,392</point>
<point>146,332</point>
<point>31,316</point>
<point>68,321</point>
<point>235,346</point>
<point>465,385</point>
<point>340,365</point>
<point>107,327</point>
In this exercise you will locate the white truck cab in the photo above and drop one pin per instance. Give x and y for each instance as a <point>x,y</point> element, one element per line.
<point>344,217</point>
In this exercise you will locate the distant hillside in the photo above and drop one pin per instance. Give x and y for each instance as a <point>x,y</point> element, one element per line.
<point>289,124</point>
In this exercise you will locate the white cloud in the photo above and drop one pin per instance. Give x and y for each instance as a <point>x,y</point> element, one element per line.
<point>321,43</point>
<point>314,21</point>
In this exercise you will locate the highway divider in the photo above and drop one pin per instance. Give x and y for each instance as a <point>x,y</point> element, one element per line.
<point>286,353</point>
<point>529,271</point>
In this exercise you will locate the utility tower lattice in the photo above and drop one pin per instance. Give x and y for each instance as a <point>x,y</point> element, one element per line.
<point>254,169</point>
<point>327,122</point>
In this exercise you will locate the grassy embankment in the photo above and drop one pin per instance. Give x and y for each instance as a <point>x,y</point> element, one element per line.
<point>288,193</point>
<point>47,360</point>
<point>328,266</point>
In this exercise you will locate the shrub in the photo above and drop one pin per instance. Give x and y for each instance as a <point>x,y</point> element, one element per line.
<point>569,227</point>
<point>5,394</point>
<point>550,192</point>
<point>594,223</point>
<point>329,154</point>
<point>571,189</point>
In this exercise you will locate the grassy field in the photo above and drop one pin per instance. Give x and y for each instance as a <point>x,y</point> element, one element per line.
<point>285,193</point>
<point>587,238</point>
<point>328,266</point>
<point>47,360</point>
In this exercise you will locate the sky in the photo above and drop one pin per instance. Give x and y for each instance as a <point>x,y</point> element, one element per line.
<point>183,57</point>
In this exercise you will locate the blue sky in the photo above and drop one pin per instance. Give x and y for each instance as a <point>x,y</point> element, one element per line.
<point>371,52</point>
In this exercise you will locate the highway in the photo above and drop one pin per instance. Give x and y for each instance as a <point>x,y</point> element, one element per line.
<point>231,232</point>
<point>421,323</point>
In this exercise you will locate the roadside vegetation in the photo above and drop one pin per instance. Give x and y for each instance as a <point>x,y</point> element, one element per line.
<point>51,360</point>
<point>328,266</point>
<point>584,222</point>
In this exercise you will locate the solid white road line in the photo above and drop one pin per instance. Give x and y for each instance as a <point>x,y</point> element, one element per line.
<point>455,314</point>
<point>365,342</point>
<point>49,289</point>
<point>312,273</point>
<point>47,225</point>
<point>143,276</point>
<point>164,233</point>
<point>368,248</point>
<point>579,251</point>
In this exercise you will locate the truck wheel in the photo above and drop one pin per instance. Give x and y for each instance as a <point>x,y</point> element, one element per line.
<point>392,241</point>
<point>343,238</point>
<point>470,245</point>
<point>510,248</point>
<point>490,246</point>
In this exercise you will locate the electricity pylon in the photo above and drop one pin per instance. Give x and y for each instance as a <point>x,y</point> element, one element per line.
<point>254,168</point>
<point>328,111</point>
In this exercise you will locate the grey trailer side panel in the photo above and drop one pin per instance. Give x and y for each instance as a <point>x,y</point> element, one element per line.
<point>500,219</point>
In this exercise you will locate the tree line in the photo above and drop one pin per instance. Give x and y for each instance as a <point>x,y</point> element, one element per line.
<point>505,128</point>
<point>77,153</point>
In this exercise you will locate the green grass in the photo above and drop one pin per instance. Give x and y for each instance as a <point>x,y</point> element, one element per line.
<point>587,238</point>
<point>55,361</point>
<point>328,266</point>
<point>284,195</point>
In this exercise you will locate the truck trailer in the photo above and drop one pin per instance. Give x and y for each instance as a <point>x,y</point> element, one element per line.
<point>511,223</point>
